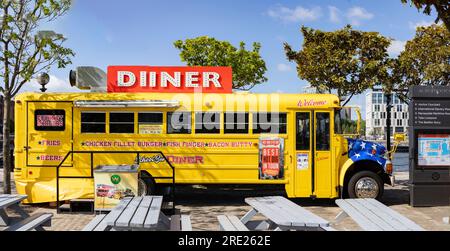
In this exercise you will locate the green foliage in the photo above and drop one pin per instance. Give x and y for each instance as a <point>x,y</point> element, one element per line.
<point>442,8</point>
<point>24,50</point>
<point>425,61</point>
<point>348,61</point>
<point>248,66</point>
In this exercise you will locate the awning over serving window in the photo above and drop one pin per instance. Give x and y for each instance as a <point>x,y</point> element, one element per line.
<point>124,103</point>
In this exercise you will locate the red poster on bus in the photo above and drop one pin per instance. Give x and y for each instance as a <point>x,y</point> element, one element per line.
<point>271,158</point>
<point>173,79</point>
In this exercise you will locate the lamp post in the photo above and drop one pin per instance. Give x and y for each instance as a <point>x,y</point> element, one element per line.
<point>388,120</point>
<point>43,79</point>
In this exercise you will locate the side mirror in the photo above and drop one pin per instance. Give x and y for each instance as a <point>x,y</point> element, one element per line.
<point>399,137</point>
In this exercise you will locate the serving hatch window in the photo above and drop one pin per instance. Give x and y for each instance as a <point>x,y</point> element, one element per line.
<point>150,122</point>
<point>49,120</point>
<point>93,122</point>
<point>121,122</point>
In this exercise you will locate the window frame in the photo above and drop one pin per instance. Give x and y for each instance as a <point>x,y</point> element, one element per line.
<point>93,112</point>
<point>168,124</point>
<point>255,123</point>
<point>212,131</point>
<point>118,123</point>
<point>234,130</point>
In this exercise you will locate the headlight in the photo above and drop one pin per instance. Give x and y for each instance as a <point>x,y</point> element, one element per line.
<point>388,167</point>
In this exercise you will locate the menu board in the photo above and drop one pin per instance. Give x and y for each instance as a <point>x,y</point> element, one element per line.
<point>434,150</point>
<point>50,120</point>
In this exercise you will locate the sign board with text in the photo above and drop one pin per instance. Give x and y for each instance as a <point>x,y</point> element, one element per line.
<point>271,158</point>
<point>172,79</point>
<point>429,145</point>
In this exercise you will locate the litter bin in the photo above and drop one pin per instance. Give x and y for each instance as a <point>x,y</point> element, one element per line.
<point>113,183</point>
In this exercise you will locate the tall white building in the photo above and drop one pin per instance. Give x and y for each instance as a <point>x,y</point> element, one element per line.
<point>376,115</point>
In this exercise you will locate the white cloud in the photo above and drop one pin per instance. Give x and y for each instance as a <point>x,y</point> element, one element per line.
<point>413,26</point>
<point>335,14</point>
<point>396,47</point>
<point>356,15</point>
<point>283,67</point>
<point>55,85</point>
<point>296,14</point>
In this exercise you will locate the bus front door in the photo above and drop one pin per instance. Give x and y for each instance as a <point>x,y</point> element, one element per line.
<point>49,133</point>
<point>312,154</point>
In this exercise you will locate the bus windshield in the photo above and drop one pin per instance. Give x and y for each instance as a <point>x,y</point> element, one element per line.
<point>346,121</point>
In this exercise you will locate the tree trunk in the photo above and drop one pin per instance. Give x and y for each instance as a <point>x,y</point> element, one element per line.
<point>6,146</point>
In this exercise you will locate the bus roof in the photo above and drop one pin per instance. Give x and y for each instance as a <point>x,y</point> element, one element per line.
<point>193,101</point>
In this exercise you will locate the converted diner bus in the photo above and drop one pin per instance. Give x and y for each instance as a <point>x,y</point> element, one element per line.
<point>311,156</point>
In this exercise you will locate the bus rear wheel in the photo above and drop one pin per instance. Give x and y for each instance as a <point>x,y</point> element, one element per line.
<point>365,184</point>
<point>146,186</point>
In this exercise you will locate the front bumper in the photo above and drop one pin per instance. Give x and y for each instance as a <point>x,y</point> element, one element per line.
<point>392,179</point>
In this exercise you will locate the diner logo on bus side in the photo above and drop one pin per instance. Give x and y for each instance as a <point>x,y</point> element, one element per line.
<point>175,79</point>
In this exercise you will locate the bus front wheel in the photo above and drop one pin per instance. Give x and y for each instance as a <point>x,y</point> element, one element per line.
<point>365,184</point>
<point>146,186</point>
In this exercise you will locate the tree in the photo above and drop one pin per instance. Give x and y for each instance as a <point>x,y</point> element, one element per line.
<point>442,8</point>
<point>248,66</point>
<point>348,61</point>
<point>425,61</point>
<point>26,51</point>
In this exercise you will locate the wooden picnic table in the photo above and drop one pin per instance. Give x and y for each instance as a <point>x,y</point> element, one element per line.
<point>138,213</point>
<point>372,215</point>
<point>12,202</point>
<point>283,214</point>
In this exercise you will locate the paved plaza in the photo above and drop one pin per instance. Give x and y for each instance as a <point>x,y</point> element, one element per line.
<point>205,205</point>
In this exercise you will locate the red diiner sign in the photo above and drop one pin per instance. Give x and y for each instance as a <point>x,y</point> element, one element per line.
<point>271,158</point>
<point>173,79</point>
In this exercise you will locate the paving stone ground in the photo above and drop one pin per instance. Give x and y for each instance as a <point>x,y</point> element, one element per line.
<point>204,205</point>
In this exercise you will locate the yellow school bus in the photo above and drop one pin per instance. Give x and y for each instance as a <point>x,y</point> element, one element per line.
<point>294,140</point>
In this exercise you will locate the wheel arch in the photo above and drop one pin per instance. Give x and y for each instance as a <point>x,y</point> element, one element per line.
<point>350,168</point>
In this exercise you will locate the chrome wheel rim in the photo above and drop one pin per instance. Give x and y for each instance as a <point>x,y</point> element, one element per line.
<point>142,187</point>
<point>366,187</point>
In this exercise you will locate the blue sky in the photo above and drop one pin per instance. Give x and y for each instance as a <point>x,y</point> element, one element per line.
<point>142,32</point>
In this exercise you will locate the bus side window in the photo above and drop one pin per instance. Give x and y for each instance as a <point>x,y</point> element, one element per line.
<point>93,122</point>
<point>302,131</point>
<point>121,122</point>
<point>207,122</point>
<point>178,122</point>
<point>274,123</point>
<point>235,122</point>
<point>323,131</point>
<point>150,122</point>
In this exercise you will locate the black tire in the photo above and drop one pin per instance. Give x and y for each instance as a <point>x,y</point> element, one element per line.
<point>148,185</point>
<point>351,186</point>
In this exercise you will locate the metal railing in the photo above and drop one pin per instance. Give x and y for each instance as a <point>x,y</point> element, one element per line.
<point>92,153</point>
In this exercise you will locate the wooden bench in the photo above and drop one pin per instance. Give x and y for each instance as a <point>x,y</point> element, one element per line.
<point>35,221</point>
<point>231,223</point>
<point>97,224</point>
<point>180,223</point>
<point>371,215</point>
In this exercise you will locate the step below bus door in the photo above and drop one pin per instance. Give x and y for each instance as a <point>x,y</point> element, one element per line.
<point>49,133</point>
<point>312,166</point>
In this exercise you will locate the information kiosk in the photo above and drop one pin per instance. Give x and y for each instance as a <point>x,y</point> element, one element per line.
<point>429,145</point>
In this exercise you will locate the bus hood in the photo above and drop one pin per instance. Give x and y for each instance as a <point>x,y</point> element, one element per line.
<point>365,150</point>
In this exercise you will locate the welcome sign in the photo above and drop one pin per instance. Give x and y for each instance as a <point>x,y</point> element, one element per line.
<point>175,79</point>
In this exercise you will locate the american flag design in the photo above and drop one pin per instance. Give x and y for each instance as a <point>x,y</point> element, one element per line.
<point>365,150</point>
